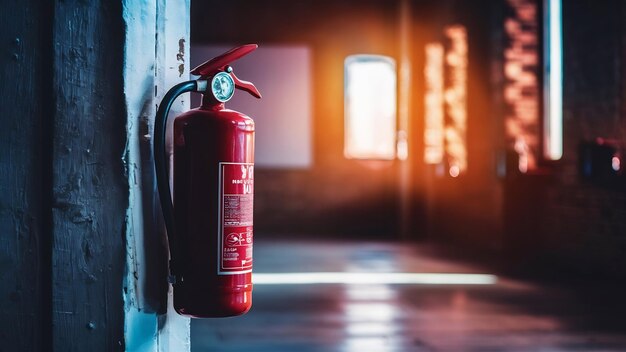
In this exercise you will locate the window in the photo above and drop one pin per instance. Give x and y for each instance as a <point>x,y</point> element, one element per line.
<point>370,107</point>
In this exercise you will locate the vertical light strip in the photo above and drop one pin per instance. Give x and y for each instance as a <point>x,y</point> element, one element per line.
<point>521,83</point>
<point>553,96</point>
<point>404,135</point>
<point>455,100</point>
<point>404,80</point>
<point>433,101</point>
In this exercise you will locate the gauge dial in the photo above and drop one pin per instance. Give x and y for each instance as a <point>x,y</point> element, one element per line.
<point>223,87</point>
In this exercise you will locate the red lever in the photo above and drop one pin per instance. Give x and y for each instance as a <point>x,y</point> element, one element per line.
<point>219,63</point>
<point>245,86</point>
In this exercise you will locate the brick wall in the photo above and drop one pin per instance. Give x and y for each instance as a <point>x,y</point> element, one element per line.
<point>585,224</point>
<point>550,220</point>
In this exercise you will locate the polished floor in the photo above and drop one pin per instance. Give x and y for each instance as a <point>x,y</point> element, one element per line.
<point>349,301</point>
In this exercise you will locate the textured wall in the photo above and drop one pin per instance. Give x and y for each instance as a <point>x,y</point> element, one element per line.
<point>62,178</point>
<point>556,221</point>
<point>550,220</point>
<point>66,174</point>
<point>585,224</point>
<point>89,189</point>
<point>25,145</point>
<point>466,209</point>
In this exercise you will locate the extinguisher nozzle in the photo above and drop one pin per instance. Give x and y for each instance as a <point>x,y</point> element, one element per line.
<point>202,85</point>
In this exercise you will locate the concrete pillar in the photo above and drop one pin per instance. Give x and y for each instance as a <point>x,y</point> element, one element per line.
<point>156,57</point>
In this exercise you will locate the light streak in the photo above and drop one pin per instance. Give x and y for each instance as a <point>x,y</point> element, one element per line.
<point>361,278</point>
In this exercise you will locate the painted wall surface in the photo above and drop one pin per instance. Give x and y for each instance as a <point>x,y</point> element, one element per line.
<point>283,126</point>
<point>155,58</point>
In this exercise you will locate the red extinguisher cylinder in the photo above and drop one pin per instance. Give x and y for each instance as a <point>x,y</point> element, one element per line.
<point>210,223</point>
<point>211,146</point>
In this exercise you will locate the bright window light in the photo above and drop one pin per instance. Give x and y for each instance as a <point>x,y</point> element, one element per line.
<point>370,107</point>
<point>372,278</point>
<point>553,84</point>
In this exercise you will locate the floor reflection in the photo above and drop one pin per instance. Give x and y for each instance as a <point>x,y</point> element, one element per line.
<point>372,318</point>
<point>348,297</point>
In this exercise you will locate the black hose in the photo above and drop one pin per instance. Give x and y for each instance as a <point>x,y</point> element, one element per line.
<point>160,164</point>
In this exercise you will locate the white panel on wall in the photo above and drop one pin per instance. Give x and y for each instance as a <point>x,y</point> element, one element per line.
<point>283,116</point>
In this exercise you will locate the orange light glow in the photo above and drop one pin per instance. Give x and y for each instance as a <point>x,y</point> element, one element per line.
<point>521,91</point>
<point>433,101</point>
<point>455,97</point>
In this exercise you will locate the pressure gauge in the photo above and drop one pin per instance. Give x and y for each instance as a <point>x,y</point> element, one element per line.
<point>222,86</point>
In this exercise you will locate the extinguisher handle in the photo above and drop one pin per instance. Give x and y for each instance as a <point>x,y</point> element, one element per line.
<point>160,165</point>
<point>245,86</point>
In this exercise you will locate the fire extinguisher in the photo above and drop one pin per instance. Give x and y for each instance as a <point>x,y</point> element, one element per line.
<point>209,226</point>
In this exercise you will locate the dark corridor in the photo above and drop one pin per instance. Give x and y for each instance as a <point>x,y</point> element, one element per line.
<point>429,175</point>
<point>487,191</point>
